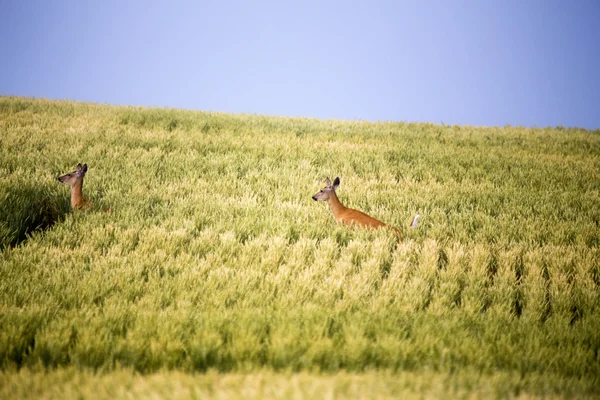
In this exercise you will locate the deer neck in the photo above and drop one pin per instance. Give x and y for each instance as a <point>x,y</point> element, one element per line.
<point>337,208</point>
<point>77,195</point>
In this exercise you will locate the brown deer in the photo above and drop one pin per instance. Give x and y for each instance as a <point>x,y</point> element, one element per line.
<point>75,181</point>
<point>344,214</point>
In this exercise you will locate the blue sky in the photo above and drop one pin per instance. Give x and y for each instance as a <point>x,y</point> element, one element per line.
<point>490,63</point>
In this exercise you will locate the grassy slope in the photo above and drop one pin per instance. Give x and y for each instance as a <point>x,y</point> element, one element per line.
<point>67,383</point>
<point>215,257</point>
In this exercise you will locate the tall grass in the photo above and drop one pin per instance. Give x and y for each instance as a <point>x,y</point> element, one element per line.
<point>214,256</point>
<point>69,383</point>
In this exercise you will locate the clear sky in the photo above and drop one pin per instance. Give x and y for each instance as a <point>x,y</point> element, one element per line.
<point>486,62</point>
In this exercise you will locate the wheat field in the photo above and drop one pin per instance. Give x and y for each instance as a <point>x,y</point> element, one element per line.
<point>215,274</point>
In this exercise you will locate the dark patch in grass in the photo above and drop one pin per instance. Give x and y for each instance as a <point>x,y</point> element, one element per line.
<point>547,311</point>
<point>428,296</point>
<point>209,126</point>
<point>98,301</point>
<point>73,337</point>
<point>20,353</point>
<point>144,274</point>
<point>243,235</point>
<point>442,261</point>
<point>23,345</point>
<point>225,331</point>
<point>26,210</point>
<point>203,359</point>
<point>292,235</point>
<point>384,268</point>
<point>14,106</point>
<point>571,271</point>
<point>332,328</point>
<point>173,123</point>
<point>595,271</point>
<point>457,299</point>
<point>576,314</point>
<point>231,300</point>
<point>486,302</point>
<point>428,299</point>
<point>342,237</point>
<point>265,334</point>
<point>356,260</point>
<point>120,326</point>
<point>386,265</point>
<point>340,294</point>
<point>593,238</point>
<point>492,268</point>
<point>300,131</point>
<point>519,268</point>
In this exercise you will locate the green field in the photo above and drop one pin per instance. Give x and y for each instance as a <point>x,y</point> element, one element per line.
<point>214,269</point>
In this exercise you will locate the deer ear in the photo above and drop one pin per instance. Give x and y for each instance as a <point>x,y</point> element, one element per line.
<point>336,183</point>
<point>84,168</point>
<point>328,182</point>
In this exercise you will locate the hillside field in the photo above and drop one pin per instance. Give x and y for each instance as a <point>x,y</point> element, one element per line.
<point>214,273</point>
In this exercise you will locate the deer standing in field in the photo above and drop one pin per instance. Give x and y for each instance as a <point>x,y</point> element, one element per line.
<point>75,181</point>
<point>344,214</point>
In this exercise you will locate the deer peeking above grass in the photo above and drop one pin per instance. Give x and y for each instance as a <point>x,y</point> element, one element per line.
<point>75,181</point>
<point>349,215</point>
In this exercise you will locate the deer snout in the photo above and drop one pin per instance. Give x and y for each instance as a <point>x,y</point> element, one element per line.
<point>314,197</point>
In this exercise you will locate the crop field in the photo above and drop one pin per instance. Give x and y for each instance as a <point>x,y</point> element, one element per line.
<point>203,268</point>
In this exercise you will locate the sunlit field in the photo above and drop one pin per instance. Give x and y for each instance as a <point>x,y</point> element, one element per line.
<point>204,268</point>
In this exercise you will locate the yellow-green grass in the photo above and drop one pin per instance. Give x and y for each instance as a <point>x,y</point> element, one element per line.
<point>214,256</point>
<point>69,383</point>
